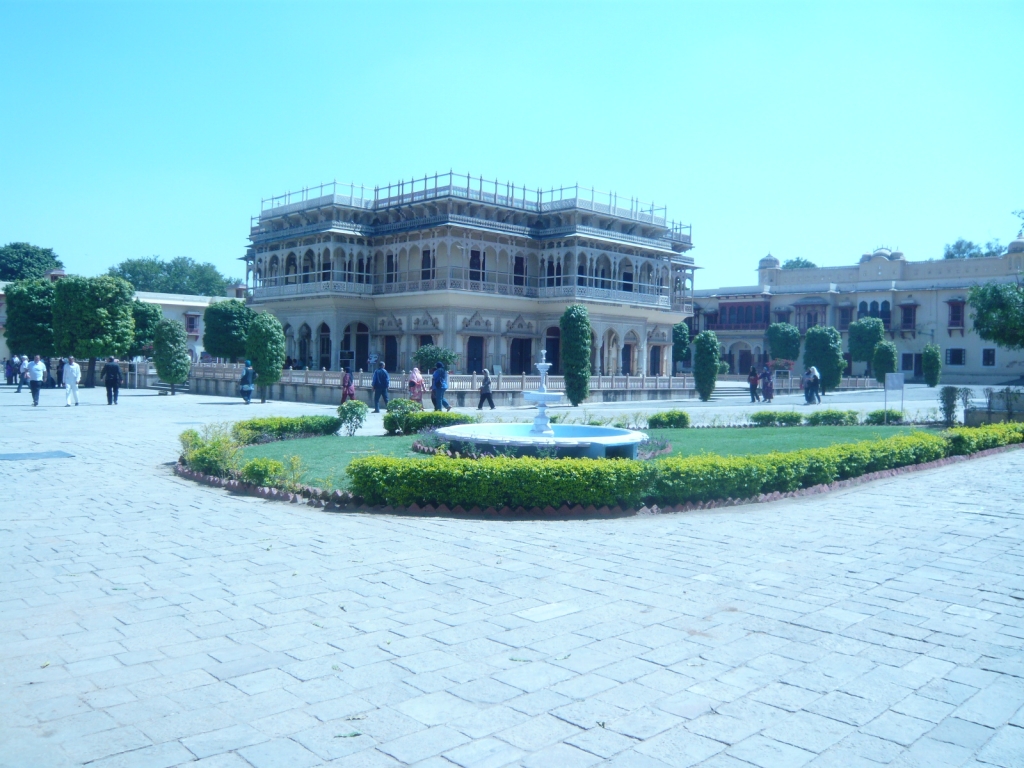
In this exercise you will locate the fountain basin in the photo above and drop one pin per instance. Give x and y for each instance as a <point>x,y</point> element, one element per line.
<point>567,440</point>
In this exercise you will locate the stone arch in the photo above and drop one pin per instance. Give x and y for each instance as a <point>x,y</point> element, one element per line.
<point>308,265</point>
<point>291,268</point>
<point>305,350</point>
<point>323,333</point>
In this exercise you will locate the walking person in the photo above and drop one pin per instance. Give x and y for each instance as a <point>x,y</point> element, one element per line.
<point>380,382</point>
<point>438,386</point>
<point>348,386</point>
<point>60,372</point>
<point>416,386</point>
<point>767,385</point>
<point>112,379</point>
<point>71,375</point>
<point>485,391</point>
<point>815,385</point>
<point>37,373</point>
<point>23,372</point>
<point>805,383</point>
<point>752,381</point>
<point>247,383</point>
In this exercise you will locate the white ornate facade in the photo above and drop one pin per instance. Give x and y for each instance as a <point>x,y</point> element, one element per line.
<point>482,268</point>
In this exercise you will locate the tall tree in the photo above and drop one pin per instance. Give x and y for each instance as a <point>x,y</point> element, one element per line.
<point>170,352</point>
<point>23,261</point>
<point>264,346</point>
<point>29,328</point>
<point>225,327</point>
<point>146,317</point>
<point>798,263</point>
<point>998,313</point>
<point>145,274</point>
<point>92,317</point>
<point>179,275</point>
<point>823,348</point>
<point>575,330</point>
<point>705,363</point>
<point>680,343</point>
<point>783,341</point>
<point>884,360</point>
<point>931,364</point>
<point>865,334</point>
<point>962,249</point>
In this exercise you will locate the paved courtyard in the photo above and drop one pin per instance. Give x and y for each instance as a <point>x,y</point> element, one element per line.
<point>146,621</point>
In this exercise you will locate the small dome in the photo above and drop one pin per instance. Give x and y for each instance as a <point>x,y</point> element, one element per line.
<point>768,262</point>
<point>896,256</point>
<point>865,257</point>
<point>1017,246</point>
<point>882,252</point>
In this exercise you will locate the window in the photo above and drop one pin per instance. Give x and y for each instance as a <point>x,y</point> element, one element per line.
<point>845,315</point>
<point>862,310</point>
<point>885,313</point>
<point>192,324</point>
<point>907,361</point>
<point>956,314</point>
<point>426,340</point>
<point>758,314</point>
<point>426,266</point>
<point>956,356</point>
<point>909,317</point>
<point>988,357</point>
<point>475,266</point>
<point>391,272</point>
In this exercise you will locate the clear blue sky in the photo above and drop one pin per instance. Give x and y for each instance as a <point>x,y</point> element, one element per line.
<point>819,129</point>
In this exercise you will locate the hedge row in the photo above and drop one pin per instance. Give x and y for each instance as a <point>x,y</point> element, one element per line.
<point>668,420</point>
<point>827,417</point>
<point>420,420</point>
<point>531,482</point>
<point>282,428</point>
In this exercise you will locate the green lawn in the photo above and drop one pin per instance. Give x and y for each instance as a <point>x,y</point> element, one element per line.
<point>325,458</point>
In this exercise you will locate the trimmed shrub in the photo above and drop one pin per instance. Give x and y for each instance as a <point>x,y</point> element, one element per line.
<point>574,327</point>
<point>948,398</point>
<point>212,453</point>
<point>931,364</point>
<point>674,419</point>
<point>500,482</point>
<point>789,418</point>
<point>705,363</point>
<point>965,440</point>
<point>884,360</point>
<point>775,418</point>
<point>266,430</point>
<point>833,418</point>
<point>262,471</point>
<point>398,409</point>
<point>882,416</point>
<point>864,335</point>
<point>418,420</point>
<point>823,349</point>
<point>783,341</point>
<point>723,368</point>
<point>352,414</point>
<point>680,343</point>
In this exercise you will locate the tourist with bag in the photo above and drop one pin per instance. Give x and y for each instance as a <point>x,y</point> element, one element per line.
<point>485,391</point>
<point>767,385</point>
<point>416,386</point>
<point>438,386</point>
<point>247,383</point>
<point>752,381</point>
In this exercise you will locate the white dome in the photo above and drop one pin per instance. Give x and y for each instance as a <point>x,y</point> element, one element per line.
<point>768,262</point>
<point>896,256</point>
<point>882,252</point>
<point>1017,246</point>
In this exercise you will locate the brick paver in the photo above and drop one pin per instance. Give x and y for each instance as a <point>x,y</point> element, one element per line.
<point>150,622</point>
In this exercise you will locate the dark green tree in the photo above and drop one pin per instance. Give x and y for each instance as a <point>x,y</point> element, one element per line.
<point>575,330</point>
<point>225,328</point>
<point>23,261</point>
<point>170,352</point>
<point>798,263</point>
<point>146,317</point>
<point>264,346</point>
<point>145,274</point>
<point>962,249</point>
<point>931,364</point>
<point>680,343</point>
<point>705,363</point>
<point>783,341</point>
<point>823,348</point>
<point>884,360</point>
<point>29,328</point>
<point>92,317</point>
<point>998,313</point>
<point>429,355</point>
<point>865,334</point>
<point>179,275</point>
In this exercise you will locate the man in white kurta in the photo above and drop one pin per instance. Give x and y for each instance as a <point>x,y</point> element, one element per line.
<point>72,376</point>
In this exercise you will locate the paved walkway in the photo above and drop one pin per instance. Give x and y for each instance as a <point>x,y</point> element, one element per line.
<point>150,622</point>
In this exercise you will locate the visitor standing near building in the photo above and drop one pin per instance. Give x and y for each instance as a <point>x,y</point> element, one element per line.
<point>815,385</point>
<point>9,371</point>
<point>485,391</point>
<point>23,372</point>
<point>767,385</point>
<point>438,386</point>
<point>71,375</point>
<point>348,387</point>
<point>60,372</point>
<point>805,384</point>
<point>112,379</point>
<point>247,383</point>
<point>752,381</point>
<point>416,386</point>
<point>37,373</point>
<point>381,382</point>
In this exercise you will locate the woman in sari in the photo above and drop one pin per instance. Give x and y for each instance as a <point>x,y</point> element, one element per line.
<point>416,386</point>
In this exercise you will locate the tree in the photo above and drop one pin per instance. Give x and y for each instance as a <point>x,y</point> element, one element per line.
<point>23,261</point>
<point>680,343</point>
<point>429,355</point>
<point>29,328</point>
<point>999,313</point>
<point>92,317</point>
<point>884,360</point>
<point>962,249</point>
<point>225,327</point>
<point>865,334</point>
<point>179,275</point>
<point>994,248</point>
<point>823,349</point>
<point>146,317</point>
<point>931,364</point>
<point>798,263</point>
<point>705,364</point>
<point>170,352</point>
<point>575,330</point>
<point>264,346</point>
<point>783,341</point>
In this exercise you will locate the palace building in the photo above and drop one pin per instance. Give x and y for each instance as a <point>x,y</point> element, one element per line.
<point>480,267</point>
<point>919,302</point>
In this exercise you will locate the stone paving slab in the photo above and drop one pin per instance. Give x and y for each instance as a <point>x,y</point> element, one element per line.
<point>148,621</point>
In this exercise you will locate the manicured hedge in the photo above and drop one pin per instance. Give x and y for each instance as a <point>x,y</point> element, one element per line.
<point>833,418</point>
<point>283,427</point>
<point>775,418</point>
<point>668,420</point>
<point>966,440</point>
<point>420,420</point>
<point>882,416</point>
<point>500,482</point>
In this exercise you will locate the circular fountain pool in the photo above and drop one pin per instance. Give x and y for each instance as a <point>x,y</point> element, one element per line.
<point>564,439</point>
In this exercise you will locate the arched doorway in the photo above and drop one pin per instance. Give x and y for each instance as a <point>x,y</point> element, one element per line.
<point>654,364</point>
<point>553,349</point>
<point>356,342</point>
<point>324,334</point>
<point>305,337</point>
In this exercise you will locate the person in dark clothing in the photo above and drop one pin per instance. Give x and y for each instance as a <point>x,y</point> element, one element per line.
<point>438,386</point>
<point>111,375</point>
<point>752,381</point>
<point>380,382</point>
<point>247,383</point>
<point>485,391</point>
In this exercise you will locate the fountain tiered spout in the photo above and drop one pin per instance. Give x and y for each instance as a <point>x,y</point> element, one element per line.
<point>542,422</point>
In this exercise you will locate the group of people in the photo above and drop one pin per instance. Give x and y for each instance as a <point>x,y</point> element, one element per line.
<point>380,383</point>
<point>811,382</point>
<point>762,385</point>
<point>35,373</point>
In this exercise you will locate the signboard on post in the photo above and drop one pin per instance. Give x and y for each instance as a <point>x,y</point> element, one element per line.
<point>894,383</point>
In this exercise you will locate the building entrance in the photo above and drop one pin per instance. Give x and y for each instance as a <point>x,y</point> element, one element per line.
<point>520,356</point>
<point>474,354</point>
